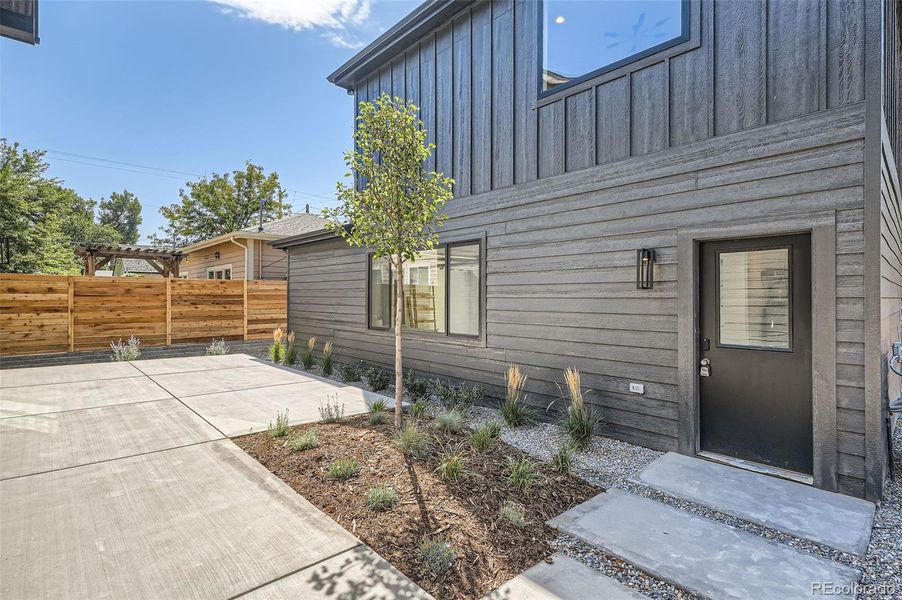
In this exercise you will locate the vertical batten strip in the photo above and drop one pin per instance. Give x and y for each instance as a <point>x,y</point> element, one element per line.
<point>71,311</point>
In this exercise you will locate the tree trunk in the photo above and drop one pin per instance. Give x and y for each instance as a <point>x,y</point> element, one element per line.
<point>399,314</point>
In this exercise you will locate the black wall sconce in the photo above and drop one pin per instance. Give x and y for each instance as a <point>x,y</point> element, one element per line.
<point>645,269</point>
<point>216,255</point>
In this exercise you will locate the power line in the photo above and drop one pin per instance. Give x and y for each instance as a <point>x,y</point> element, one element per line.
<point>119,162</point>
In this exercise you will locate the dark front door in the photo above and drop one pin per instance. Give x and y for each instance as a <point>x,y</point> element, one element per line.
<point>755,358</point>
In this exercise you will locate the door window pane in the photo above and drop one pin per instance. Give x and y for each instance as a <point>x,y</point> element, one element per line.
<point>464,289</point>
<point>582,37</point>
<point>754,298</point>
<point>424,291</point>
<point>380,293</point>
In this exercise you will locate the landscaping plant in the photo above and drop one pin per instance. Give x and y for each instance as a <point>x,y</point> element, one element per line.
<point>280,428</point>
<point>514,408</point>
<point>349,373</point>
<point>398,209</point>
<point>412,442</point>
<point>331,411</point>
<point>482,438</point>
<point>417,389</point>
<point>457,396</point>
<point>377,411</point>
<point>494,428</point>
<point>513,513</point>
<point>304,441</point>
<point>307,354</point>
<point>217,348</point>
<point>343,468</point>
<point>437,556</point>
<point>521,472</point>
<point>562,458</point>
<point>580,421</point>
<point>382,497</point>
<point>378,379</point>
<point>451,462</point>
<point>276,349</point>
<point>451,420</point>
<point>327,358</point>
<point>418,408</point>
<point>130,350</point>
<point>290,354</point>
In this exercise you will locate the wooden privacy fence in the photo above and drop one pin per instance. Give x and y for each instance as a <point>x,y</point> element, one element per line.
<point>54,313</point>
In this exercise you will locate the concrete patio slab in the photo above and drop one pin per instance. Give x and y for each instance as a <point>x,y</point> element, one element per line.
<point>697,554</point>
<point>183,385</point>
<point>55,397</point>
<point>65,374</point>
<point>564,579</point>
<point>203,521</point>
<point>251,410</point>
<point>358,573</point>
<point>186,364</point>
<point>841,522</point>
<point>39,443</point>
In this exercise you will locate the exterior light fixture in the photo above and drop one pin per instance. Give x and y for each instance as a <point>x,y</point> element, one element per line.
<point>645,269</point>
<point>559,19</point>
<point>216,255</point>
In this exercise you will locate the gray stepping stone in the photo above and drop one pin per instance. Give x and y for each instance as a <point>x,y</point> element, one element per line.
<point>564,579</point>
<point>701,555</point>
<point>841,522</point>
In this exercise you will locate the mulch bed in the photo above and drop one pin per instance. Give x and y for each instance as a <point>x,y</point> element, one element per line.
<point>465,513</point>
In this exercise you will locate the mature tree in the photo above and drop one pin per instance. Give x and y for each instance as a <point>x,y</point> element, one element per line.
<point>80,225</point>
<point>223,203</point>
<point>396,209</point>
<point>122,212</point>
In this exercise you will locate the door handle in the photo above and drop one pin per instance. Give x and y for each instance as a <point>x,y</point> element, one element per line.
<point>704,368</point>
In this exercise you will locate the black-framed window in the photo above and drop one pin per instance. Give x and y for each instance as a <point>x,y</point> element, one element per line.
<point>581,40</point>
<point>442,291</point>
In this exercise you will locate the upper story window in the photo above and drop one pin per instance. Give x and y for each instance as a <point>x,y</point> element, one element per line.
<point>582,39</point>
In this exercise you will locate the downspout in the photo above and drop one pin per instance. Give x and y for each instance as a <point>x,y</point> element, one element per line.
<point>248,268</point>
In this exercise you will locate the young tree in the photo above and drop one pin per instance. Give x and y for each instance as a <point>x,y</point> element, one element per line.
<point>223,203</point>
<point>396,209</point>
<point>122,212</point>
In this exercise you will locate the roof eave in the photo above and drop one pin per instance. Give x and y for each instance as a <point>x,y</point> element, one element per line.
<point>251,235</point>
<point>423,18</point>
<point>310,237</point>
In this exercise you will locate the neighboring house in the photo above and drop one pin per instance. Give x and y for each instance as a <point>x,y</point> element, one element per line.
<point>136,267</point>
<point>227,256</point>
<point>19,20</point>
<point>745,153</point>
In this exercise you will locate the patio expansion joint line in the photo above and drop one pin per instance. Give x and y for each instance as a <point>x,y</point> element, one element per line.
<point>199,416</point>
<point>255,387</point>
<point>296,571</point>
<point>28,385</point>
<point>68,410</point>
<point>106,460</point>
<point>230,367</point>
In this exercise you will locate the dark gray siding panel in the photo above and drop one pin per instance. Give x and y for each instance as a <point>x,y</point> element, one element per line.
<point>793,58</point>
<point>525,81</point>
<point>551,140</point>
<point>690,97</point>
<point>398,77</point>
<point>444,101</point>
<point>739,66</point>
<point>502,93</point>
<point>427,94</point>
<point>845,52</point>
<point>580,143</point>
<point>412,75</point>
<point>612,121</point>
<point>462,104</point>
<point>648,125</point>
<point>481,177</point>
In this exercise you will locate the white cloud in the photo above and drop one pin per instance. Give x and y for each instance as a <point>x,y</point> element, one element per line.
<point>332,15</point>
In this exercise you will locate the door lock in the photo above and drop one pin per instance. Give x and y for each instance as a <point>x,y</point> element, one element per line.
<point>705,368</point>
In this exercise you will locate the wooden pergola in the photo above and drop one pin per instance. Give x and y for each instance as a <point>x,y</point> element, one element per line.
<point>96,256</point>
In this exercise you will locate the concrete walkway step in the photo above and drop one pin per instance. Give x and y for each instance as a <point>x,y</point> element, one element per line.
<point>834,520</point>
<point>698,554</point>
<point>564,579</point>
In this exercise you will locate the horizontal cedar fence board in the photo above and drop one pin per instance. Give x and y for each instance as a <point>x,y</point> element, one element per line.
<point>42,314</point>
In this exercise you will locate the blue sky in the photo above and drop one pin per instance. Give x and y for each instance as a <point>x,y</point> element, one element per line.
<point>189,86</point>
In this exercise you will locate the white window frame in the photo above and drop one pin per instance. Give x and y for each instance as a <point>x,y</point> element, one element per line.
<point>222,268</point>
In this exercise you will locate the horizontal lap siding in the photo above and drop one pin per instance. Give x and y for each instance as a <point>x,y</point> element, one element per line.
<point>560,273</point>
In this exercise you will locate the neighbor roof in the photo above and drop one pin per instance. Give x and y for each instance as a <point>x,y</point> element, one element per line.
<point>137,265</point>
<point>287,226</point>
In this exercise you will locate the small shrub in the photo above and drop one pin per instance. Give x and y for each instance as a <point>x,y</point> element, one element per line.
<point>437,556</point>
<point>378,378</point>
<point>290,356</point>
<point>305,441</point>
<point>217,348</point>
<point>130,350</point>
<point>482,438</point>
<point>562,458</point>
<point>331,411</point>
<point>451,420</point>
<point>382,497</point>
<point>412,442</point>
<point>343,468</point>
<point>521,473</point>
<point>307,354</point>
<point>416,388</point>
<point>457,396</point>
<point>327,358</point>
<point>418,408</point>
<point>451,462</point>
<point>280,428</point>
<point>276,350</point>
<point>377,410</point>
<point>514,514</point>
<point>494,428</point>
<point>514,409</point>
<point>580,421</point>
<point>349,372</point>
